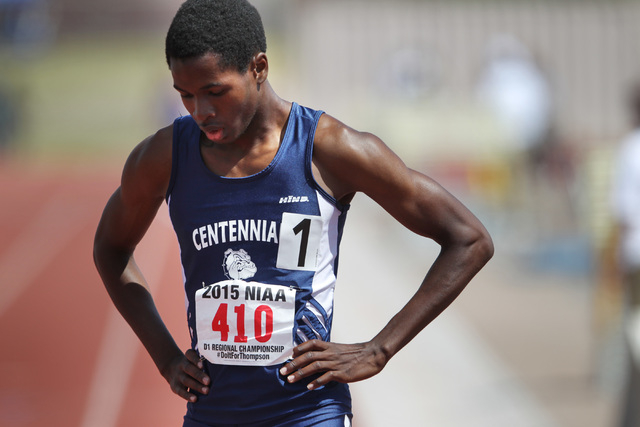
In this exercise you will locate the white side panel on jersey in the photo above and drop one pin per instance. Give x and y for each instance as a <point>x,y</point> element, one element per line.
<point>325,277</point>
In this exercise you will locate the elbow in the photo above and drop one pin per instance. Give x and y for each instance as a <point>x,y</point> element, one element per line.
<point>487,247</point>
<point>99,246</point>
<point>473,244</point>
<point>97,250</point>
<point>109,259</point>
<point>100,256</point>
<point>481,246</point>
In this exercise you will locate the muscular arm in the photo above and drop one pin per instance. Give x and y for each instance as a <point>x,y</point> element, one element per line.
<point>126,218</point>
<point>346,162</point>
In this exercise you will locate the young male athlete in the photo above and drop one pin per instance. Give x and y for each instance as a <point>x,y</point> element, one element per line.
<point>258,189</point>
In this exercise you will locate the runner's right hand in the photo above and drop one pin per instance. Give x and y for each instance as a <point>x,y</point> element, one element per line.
<point>185,373</point>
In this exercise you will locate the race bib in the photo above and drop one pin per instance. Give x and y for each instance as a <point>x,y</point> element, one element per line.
<point>245,323</point>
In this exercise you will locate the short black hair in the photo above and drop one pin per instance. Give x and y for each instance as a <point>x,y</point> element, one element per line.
<point>231,29</point>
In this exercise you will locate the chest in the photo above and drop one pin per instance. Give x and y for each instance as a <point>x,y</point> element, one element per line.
<point>237,161</point>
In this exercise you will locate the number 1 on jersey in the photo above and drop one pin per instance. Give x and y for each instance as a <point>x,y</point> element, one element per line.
<point>304,226</point>
<point>299,241</point>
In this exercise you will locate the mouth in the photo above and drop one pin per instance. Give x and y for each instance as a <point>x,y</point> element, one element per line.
<point>213,133</point>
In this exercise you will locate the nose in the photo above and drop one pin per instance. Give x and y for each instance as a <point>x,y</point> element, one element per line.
<point>202,109</point>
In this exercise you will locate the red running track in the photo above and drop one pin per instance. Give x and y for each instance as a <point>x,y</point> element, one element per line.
<point>66,357</point>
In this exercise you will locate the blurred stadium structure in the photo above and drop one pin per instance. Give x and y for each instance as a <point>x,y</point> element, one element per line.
<point>586,48</point>
<point>408,71</point>
<point>87,79</point>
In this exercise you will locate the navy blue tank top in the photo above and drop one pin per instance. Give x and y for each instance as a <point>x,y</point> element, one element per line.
<point>259,257</point>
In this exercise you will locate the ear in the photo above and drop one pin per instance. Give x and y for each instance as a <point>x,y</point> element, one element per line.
<point>260,67</point>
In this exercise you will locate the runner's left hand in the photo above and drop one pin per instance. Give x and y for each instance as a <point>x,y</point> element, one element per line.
<point>344,363</point>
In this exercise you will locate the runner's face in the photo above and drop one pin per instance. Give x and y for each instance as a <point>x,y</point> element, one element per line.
<point>222,101</point>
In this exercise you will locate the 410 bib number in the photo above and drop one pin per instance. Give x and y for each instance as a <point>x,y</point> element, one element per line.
<point>245,323</point>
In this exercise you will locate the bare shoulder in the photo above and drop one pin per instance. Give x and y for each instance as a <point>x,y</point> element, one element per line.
<point>148,169</point>
<point>335,137</point>
<point>352,161</point>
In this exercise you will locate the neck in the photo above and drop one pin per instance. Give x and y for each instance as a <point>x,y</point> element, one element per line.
<point>257,146</point>
<point>269,119</point>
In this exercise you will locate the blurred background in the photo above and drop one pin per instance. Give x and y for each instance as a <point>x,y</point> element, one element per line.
<point>518,107</point>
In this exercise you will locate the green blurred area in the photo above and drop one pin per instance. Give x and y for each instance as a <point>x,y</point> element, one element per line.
<point>86,98</point>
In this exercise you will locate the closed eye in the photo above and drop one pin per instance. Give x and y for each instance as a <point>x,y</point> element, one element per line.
<point>182,93</point>
<point>218,92</point>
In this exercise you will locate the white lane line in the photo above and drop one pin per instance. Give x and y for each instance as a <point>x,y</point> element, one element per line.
<point>59,221</point>
<point>461,364</point>
<point>113,370</point>
<point>119,345</point>
<point>448,376</point>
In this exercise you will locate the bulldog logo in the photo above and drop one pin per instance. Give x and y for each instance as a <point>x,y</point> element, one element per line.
<point>237,265</point>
